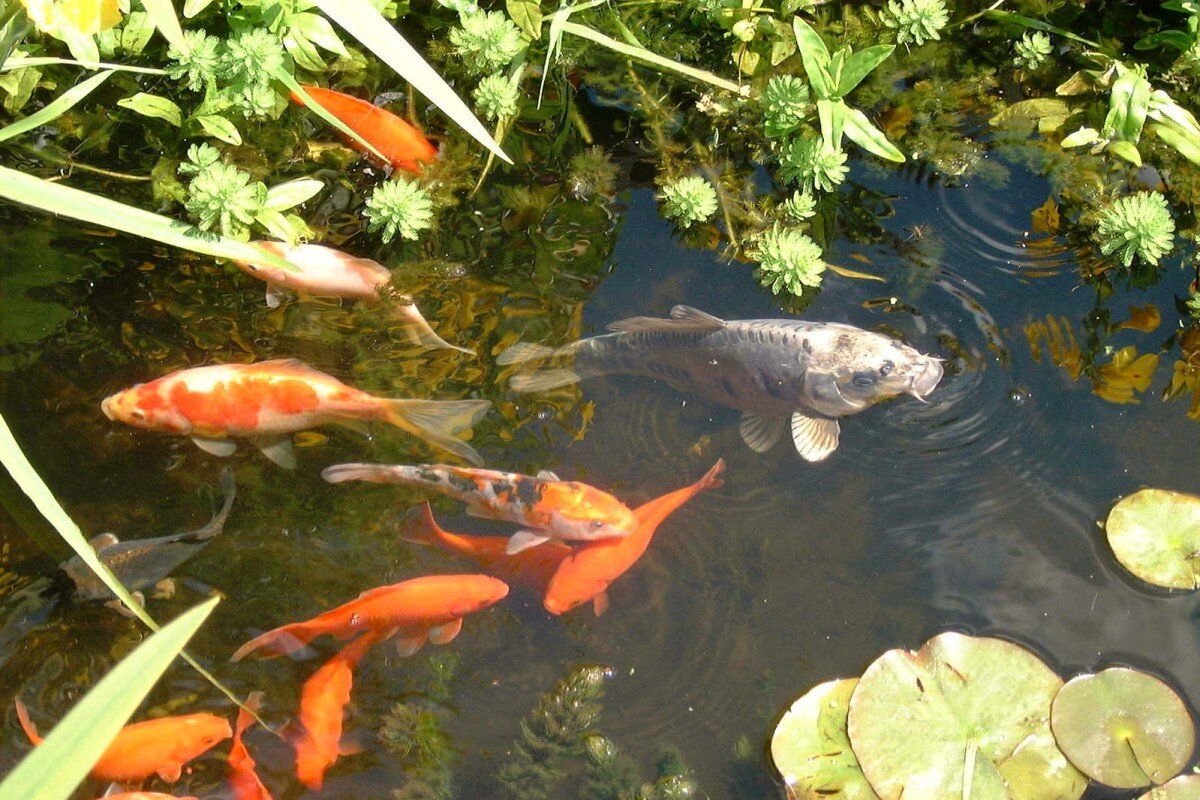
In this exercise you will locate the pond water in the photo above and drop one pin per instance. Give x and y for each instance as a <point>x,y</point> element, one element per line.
<point>975,512</point>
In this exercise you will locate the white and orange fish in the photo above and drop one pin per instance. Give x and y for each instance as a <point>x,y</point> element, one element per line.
<point>548,507</point>
<point>268,401</point>
<point>324,272</point>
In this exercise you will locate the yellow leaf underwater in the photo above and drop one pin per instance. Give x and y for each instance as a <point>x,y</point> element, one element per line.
<point>84,17</point>
<point>1059,342</point>
<point>1142,318</point>
<point>1127,373</point>
<point>1044,219</point>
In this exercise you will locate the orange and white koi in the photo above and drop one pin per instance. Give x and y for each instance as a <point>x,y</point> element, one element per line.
<point>325,272</point>
<point>243,775</point>
<point>586,573</point>
<point>398,141</point>
<point>552,508</point>
<point>428,608</point>
<point>268,401</point>
<point>322,701</point>
<point>155,747</point>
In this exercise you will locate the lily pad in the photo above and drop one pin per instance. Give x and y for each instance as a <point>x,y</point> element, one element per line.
<point>963,718</point>
<point>811,750</point>
<point>1155,534</point>
<point>1185,787</point>
<point>1123,728</point>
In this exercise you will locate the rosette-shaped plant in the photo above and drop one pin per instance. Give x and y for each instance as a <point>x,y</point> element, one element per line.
<point>1139,225</point>
<point>788,259</point>
<point>916,21</point>
<point>400,206</point>
<point>689,200</point>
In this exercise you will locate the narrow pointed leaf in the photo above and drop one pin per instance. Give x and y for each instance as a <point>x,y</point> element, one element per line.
<point>55,108</point>
<point>162,12</point>
<point>815,56</point>
<point>860,64</point>
<point>642,54</point>
<point>859,130</point>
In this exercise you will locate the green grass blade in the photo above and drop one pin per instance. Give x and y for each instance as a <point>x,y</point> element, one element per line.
<point>1038,25</point>
<point>56,767</point>
<point>46,61</point>
<point>642,54</point>
<point>52,110</point>
<point>162,14</point>
<point>76,204</point>
<point>360,19</point>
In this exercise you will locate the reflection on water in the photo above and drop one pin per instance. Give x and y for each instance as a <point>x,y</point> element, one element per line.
<point>975,511</point>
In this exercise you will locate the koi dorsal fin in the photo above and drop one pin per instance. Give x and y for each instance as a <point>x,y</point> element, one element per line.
<point>683,319</point>
<point>286,366</point>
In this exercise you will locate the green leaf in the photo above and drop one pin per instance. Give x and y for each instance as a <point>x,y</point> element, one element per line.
<point>832,116</point>
<point>1081,137</point>
<point>1037,108</point>
<point>45,61</point>
<point>193,7</point>
<point>163,14</point>
<point>219,127</point>
<point>152,105</point>
<point>527,14</point>
<point>360,19</point>
<point>650,57</point>
<point>1129,101</point>
<point>860,131</point>
<point>1177,39</point>
<point>815,56</point>
<point>1155,534</point>
<point>1126,150</point>
<point>82,46</point>
<point>1185,787</point>
<point>783,47</point>
<point>318,31</point>
<point>1186,145</point>
<point>56,108</point>
<point>860,64</point>
<point>283,196</point>
<point>1038,25</point>
<point>53,769</point>
<point>136,32</point>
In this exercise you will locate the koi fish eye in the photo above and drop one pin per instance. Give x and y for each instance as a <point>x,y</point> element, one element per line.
<point>597,524</point>
<point>355,620</point>
<point>138,414</point>
<point>887,368</point>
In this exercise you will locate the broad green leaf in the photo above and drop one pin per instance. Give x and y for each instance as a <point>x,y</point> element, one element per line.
<point>302,51</point>
<point>1081,137</point>
<point>54,108</point>
<point>283,196</point>
<point>860,64</point>
<point>783,46</point>
<point>82,46</point>
<point>1166,110</point>
<point>163,14</point>
<point>360,19</point>
<point>152,105</point>
<point>1036,108</point>
<point>1187,146</point>
<point>860,131</point>
<point>318,31</point>
<point>1123,728</point>
<point>219,128</point>
<point>1126,150</point>
<point>1038,25</point>
<point>815,56</point>
<point>1129,101</point>
<point>963,718</point>
<point>642,54</point>
<point>1155,534</point>
<point>527,14</point>
<point>193,7</point>
<point>53,769</point>
<point>1185,787</point>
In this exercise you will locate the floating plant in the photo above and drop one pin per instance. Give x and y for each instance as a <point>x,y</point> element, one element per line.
<point>1155,534</point>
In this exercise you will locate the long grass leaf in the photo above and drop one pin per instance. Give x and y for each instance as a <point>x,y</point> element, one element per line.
<point>60,763</point>
<point>162,14</point>
<point>642,54</point>
<point>77,204</point>
<point>46,61</point>
<point>55,108</point>
<point>374,32</point>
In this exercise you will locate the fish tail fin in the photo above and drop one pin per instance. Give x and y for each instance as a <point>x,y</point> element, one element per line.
<point>522,352</point>
<point>418,329</point>
<point>26,724</point>
<point>371,473</point>
<point>437,422</point>
<point>245,717</point>
<point>421,528</point>
<point>543,380</point>
<point>282,641</point>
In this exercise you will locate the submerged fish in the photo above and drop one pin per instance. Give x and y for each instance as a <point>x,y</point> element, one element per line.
<point>397,140</point>
<point>552,508</point>
<point>243,773</point>
<point>268,401</point>
<point>325,272</point>
<point>769,369</point>
<point>142,563</point>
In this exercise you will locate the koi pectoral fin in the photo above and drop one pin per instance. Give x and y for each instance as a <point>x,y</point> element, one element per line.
<point>216,447</point>
<point>600,603</point>
<point>278,449</point>
<point>170,772</point>
<point>441,634</point>
<point>815,437</point>
<point>760,433</point>
<point>523,540</point>
<point>411,643</point>
<point>274,298</point>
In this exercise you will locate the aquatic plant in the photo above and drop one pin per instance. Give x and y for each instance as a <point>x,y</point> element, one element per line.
<point>1136,226</point>
<point>399,207</point>
<point>197,65</point>
<point>799,207</point>
<point>788,260</point>
<point>1032,50</point>
<point>251,60</point>
<point>220,196</point>
<point>689,200</point>
<point>486,41</point>
<point>496,97</point>
<point>808,161</point>
<point>915,21</point>
<point>785,103</point>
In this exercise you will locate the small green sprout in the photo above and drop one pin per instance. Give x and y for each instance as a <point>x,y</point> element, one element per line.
<point>788,259</point>
<point>1032,50</point>
<point>486,41</point>
<point>221,196</point>
<point>1139,225</point>
<point>916,21</point>
<point>808,162</point>
<point>785,102</point>
<point>201,65</point>
<point>1193,305</point>
<point>799,207</point>
<point>689,200</point>
<point>591,172</point>
<point>496,97</point>
<point>400,206</point>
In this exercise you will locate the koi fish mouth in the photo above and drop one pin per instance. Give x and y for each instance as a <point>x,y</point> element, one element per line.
<point>928,380</point>
<point>106,407</point>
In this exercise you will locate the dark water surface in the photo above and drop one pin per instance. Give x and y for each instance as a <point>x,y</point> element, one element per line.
<point>976,512</point>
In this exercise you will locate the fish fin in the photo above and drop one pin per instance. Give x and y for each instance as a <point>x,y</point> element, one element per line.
<point>543,380</point>
<point>815,437</point>
<point>419,331</point>
<point>372,473</point>
<point>478,512</point>
<point>697,316</point>
<point>245,717</point>
<point>170,772</point>
<point>274,298</point>
<point>216,447</point>
<point>102,541</point>
<point>282,641</point>
<point>523,540</point>
<point>26,724</point>
<point>278,449</point>
<point>683,318</point>
<point>760,432</point>
<point>407,645</point>
<point>420,529</point>
<point>547,475</point>
<point>357,425</point>
<point>521,352</point>
<point>441,634</point>
<point>349,747</point>
<point>437,421</point>
<point>600,603</point>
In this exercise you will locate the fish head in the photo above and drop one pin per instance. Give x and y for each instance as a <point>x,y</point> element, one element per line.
<point>477,593</point>
<point>850,369</point>
<point>143,406</point>
<point>592,514</point>
<point>204,731</point>
<point>264,271</point>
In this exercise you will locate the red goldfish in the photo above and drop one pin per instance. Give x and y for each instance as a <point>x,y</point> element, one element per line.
<point>554,508</point>
<point>322,700</point>
<point>326,272</point>
<point>430,608</point>
<point>587,572</point>
<point>243,777</point>
<point>400,143</point>
<point>268,401</point>
<point>154,747</point>
<point>531,568</point>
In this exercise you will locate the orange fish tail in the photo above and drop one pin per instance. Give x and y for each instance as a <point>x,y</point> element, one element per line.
<point>26,724</point>
<point>421,528</point>
<point>283,641</point>
<point>437,422</point>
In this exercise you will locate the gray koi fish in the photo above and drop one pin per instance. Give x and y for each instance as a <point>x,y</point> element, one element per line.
<point>769,369</point>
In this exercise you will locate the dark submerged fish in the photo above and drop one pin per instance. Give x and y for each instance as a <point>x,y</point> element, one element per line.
<point>769,369</point>
<point>142,563</point>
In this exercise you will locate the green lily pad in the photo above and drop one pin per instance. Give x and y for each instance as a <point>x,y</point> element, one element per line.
<point>1155,534</point>
<point>1185,787</point>
<point>963,718</point>
<point>811,750</point>
<point>1123,728</point>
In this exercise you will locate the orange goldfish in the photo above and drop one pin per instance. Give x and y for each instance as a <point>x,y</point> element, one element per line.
<point>322,700</point>
<point>554,508</point>
<point>268,401</point>
<point>143,796</point>
<point>587,572</point>
<point>401,144</point>
<point>154,747</point>
<point>532,568</point>
<point>430,608</point>
<point>326,272</point>
<point>243,777</point>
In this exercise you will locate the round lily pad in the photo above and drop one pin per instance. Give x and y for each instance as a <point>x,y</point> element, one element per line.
<point>1185,787</point>
<point>811,751</point>
<point>1123,728</point>
<point>963,718</point>
<point>1155,534</point>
